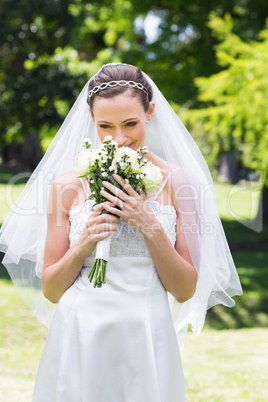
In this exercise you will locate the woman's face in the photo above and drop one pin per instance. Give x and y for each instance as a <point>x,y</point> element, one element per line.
<point>123,117</point>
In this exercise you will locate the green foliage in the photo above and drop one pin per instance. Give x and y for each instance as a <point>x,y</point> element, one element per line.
<point>49,49</point>
<point>234,115</point>
<point>183,46</point>
<point>32,76</point>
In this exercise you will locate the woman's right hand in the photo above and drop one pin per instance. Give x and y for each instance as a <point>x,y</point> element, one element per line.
<point>99,226</point>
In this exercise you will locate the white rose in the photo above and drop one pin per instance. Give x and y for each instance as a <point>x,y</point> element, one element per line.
<point>82,162</point>
<point>132,157</point>
<point>93,156</point>
<point>152,176</point>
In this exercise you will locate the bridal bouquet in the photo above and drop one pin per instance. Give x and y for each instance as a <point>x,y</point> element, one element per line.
<point>100,164</point>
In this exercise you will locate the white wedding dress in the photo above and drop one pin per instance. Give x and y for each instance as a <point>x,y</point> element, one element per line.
<point>116,343</point>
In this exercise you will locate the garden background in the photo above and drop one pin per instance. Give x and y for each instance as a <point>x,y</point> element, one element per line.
<point>210,61</point>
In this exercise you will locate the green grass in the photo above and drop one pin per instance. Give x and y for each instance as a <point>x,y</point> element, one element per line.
<point>251,308</point>
<point>10,188</point>
<point>227,365</point>
<point>239,200</point>
<point>21,342</point>
<point>237,207</point>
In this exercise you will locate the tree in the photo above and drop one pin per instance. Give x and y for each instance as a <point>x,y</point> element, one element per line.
<point>182,48</point>
<point>33,75</point>
<point>234,115</point>
<point>49,49</point>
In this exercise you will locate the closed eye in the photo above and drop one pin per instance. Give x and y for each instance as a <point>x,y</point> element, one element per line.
<point>104,126</point>
<point>131,124</point>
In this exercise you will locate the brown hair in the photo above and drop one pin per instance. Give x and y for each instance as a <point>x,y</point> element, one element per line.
<point>117,72</point>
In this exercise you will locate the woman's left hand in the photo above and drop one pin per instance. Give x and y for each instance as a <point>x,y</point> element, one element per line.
<point>132,207</point>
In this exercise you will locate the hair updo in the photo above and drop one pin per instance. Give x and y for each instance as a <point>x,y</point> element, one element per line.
<point>118,72</point>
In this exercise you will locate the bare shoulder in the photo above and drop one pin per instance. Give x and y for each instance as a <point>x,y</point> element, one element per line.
<point>67,178</point>
<point>165,194</point>
<point>156,160</point>
<point>177,183</point>
<point>67,188</point>
<point>166,167</point>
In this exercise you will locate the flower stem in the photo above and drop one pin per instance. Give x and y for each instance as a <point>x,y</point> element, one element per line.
<point>98,272</point>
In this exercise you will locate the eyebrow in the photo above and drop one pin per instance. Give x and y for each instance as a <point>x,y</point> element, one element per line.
<point>107,122</point>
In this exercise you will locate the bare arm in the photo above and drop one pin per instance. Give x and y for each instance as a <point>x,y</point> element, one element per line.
<point>173,265</point>
<point>63,263</point>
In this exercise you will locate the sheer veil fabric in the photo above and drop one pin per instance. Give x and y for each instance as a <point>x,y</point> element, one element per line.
<point>24,230</point>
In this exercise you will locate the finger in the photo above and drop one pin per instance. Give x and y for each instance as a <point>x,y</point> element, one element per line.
<point>115,211</point>
<point>103,227</point>
<point>108,203</point>
<point>106,218</point>
<point>126,186</point>
<point>114,200</point>
<point>102,218</point>
<point>115,190</point>
<point>97,217</point>
<point>99,236</point>
<point>99,207</point>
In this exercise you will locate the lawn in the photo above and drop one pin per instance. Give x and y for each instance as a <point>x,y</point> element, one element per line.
<point>227,362</point>
<point>21,342</point>
<point>10,188</point>
<point>226,365</point>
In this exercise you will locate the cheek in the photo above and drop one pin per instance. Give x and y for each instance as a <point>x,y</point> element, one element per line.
<point>142,135</point>
<point>140,132</point>
<point>139,137</point>
<point>101,134</point>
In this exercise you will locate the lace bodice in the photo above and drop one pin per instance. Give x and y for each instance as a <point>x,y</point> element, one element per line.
<point>127,241</point>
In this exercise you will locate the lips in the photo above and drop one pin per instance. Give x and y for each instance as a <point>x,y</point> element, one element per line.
<point>127,146</point>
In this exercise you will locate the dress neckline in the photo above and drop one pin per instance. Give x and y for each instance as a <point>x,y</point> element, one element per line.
<point>166,206</point>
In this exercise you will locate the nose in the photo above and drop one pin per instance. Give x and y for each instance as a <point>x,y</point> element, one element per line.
<point>119,137</point>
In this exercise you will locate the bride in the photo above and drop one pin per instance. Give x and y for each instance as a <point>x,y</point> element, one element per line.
<point>119,342</point>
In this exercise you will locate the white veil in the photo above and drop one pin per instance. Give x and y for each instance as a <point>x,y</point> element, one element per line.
<point>24,230</point>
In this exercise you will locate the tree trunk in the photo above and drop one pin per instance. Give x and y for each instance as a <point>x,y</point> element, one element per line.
<point>228,168</point>
<point>262,215</point>
<point>23,157</point>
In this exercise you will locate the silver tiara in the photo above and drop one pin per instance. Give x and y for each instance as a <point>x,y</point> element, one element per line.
<point>112,84</point>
